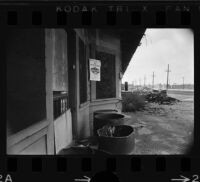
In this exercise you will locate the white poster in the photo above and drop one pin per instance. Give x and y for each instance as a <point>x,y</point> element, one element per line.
<point>95,70</point>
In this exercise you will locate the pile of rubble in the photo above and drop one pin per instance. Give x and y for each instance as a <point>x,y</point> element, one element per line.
<point>160,97</point>
<point>157,96</point>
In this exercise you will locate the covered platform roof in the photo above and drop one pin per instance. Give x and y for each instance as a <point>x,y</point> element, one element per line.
<point>129,39</point>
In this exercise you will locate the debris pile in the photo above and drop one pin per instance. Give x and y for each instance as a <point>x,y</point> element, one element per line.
<point>160,97</point>
<point>157,96</point>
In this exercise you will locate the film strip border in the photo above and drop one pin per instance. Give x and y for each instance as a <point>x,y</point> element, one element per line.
<point>86,164</point>
<point>100,15</point>
<point>133,166</point>
<point>129,168</point>
<point>108,15</point>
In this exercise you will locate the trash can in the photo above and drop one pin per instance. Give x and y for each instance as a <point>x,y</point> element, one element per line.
<point>120,139</point>
<point>107,119</point>
<point>102,111</point>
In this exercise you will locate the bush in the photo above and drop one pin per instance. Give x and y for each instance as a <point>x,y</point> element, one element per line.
<point>132,102</point>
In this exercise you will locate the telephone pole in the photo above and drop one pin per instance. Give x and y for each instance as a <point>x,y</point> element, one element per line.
<point>153,80</point>
<point>183,82</point>
<point>167,76</point>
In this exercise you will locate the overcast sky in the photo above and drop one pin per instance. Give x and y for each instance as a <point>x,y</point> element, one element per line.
<point>159,48</point>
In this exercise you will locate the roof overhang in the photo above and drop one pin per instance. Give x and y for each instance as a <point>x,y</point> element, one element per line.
<point>130,40</point>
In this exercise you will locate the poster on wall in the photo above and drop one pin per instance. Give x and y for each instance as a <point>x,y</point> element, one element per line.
<point>95,70</point>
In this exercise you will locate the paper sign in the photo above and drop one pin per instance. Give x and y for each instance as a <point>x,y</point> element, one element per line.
<point>95,69</point>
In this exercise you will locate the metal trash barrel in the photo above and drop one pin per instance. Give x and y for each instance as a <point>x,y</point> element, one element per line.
<point>107,119</point>
<point>121,142</point>
<point>102,111</point>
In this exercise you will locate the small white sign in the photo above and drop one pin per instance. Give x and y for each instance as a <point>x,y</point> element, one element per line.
<point>95,70</point>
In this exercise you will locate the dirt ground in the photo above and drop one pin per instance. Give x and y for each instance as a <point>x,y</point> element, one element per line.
<point>164,129</point>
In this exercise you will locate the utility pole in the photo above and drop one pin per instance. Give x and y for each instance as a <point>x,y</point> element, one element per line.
<point>140,81</point>
<point>153,80</point>
<point>167,76</point>
<point>183,82</point>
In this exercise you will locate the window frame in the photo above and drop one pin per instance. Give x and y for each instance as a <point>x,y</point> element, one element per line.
<point>113,52</point>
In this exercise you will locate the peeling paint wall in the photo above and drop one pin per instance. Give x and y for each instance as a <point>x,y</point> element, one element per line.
<point>63,131</point>
<point>83,123</point>
<point>60,83</point>
<point>60,72</point>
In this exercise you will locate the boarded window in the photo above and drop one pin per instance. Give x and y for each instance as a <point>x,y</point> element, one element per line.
<point>26,92</point>
<point>106,88</point>
<point>82,72</point>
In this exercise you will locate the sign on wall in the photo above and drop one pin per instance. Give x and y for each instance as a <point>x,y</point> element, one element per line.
<point>95,70</point>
